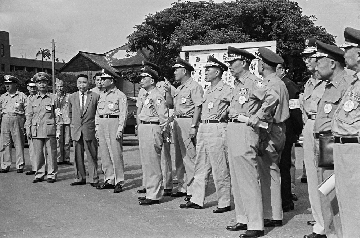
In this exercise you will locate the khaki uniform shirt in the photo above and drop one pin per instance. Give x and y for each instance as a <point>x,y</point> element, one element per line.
<point>281,112</point>
<point>62,108</point>
<point>346,121</point>
<point>154,107</point>
<point>313,92</point>
<point>15,103</point>
<point>96,90</point>
<point>113,102</point>
<point>251,97</point>
<point>188,96</point>
<point>216,102</point>
<point>160,87</point>
<point>40,120</point>
<point>334,91</point>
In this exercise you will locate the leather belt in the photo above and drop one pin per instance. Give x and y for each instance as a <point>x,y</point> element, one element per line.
<point>317,135</point>
<point>312,116</point>
<point>150,122</point>
<point>212,121</point>
<point>235,120</point>
<point>183,116</point>
<point>344,140</point>
<point>109,116</point>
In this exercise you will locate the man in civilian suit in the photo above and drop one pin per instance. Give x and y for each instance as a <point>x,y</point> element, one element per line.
<point>82,109</point>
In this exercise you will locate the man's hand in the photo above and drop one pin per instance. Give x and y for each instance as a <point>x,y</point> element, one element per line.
<point>57,135</point>
<point>119,135</point>
<point>253,121</point>
<point>29,135</point>
<point>96,135</point>
<point>193,132</point>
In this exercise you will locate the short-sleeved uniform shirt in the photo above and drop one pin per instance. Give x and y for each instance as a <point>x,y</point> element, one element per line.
<point>160,87</point>
<point>216,101</point>
<point>329,102</point>
<point>13,103</point>
<point>281,112</point>
<point>154,107</point>
<point>112,102</point>
<point>346,120</point>
<point>313,92</point>
<point>188,96</point>
<point>251,97</point>
<point>62,108</point>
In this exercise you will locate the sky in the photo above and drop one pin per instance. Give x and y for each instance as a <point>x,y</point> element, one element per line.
<point>99,26</point>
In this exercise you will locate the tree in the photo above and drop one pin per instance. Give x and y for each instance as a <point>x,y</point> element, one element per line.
<point>190,23</point>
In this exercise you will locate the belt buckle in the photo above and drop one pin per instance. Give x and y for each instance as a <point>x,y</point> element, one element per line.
<point>341,141</point>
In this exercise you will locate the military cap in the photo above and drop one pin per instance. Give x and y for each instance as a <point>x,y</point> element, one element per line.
<point>213,62</point>
<point>151,65</point>
<point>352,38</point>
<point>30,83</point>
<point>235,53</point>
<point>41,76</point>
<point>269,57</point>
<point>105,75</point>
<point>180,63</point>
<point>329,51</point>
<point>10,79</point>
<point>148,72</point>
<point>310,46</point>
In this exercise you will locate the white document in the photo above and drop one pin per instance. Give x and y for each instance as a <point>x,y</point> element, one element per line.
<point>328,185</point>
<point>260,124</point>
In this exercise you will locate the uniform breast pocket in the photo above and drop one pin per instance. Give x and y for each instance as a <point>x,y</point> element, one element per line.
<point>113,105</point>
<point>50,128</point>
<point>101,105</point>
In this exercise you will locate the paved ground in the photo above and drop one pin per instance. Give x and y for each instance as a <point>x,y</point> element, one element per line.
<point>59,210</point>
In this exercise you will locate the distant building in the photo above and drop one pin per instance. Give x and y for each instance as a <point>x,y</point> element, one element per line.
<point>9,64</point>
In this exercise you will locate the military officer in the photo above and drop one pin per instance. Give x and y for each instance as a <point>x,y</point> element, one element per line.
<point>166,164</point>
<point>98,86</point>
<point>330,66</point>
<point>153,122</point>
<point>12,104</point>
<point>31,87</point>
<point>41,128</point>
<point>187,105</point>
<point>345,128</point>
<point>110,121</point>
<point>63,124</point>
<point>251,106</point>
<point>210,147</point>
<point>313,92</point>
<point>273,140</point>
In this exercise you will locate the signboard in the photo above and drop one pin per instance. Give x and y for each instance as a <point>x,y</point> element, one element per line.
<point>197,56</point>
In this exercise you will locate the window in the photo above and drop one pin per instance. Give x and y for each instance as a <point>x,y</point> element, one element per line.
<point>2,50</point>
<point>2,68</point>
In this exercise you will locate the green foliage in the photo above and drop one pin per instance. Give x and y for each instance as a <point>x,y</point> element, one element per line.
<point>192,23</point>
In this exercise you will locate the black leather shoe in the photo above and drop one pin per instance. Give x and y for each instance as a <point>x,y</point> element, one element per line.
<point>289,207</point>
<point>314,235</point>
<point>303,180</point>
<point>3,171</point>
<point>167,192</point>
<point>60,163</point>
<point>272,223</point>
<point>178,194</point>
<point>310,223</point>
<point>105,186</point>
<point>149,202</point>
<point>78,183</point>
<point>237,227</point>
<point>252,234</point>
<point>141,190</point>
<point>141,198</point>
<point>94,185</point>
<point>20,171</point>
<point>222,210</point>
<point>51,180</point>
<point>187,198</point>
<point>30,173</point>
<point>38,180</point>
<point>118,188</point>
<point>190,205</point>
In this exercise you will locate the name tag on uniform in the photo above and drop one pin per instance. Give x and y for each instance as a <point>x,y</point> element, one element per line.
<point>294,103</point>
<point>349,106</point>
<point>57,112</point>
<point>111,106</point>
<point>210,105</point>
<point>48,108</point>
<point>327,108</point>
<point>147,101</point>
<point>183,100</point>
<point>242,100</point>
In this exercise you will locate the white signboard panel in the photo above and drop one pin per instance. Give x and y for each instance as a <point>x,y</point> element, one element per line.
<point>197,56</point>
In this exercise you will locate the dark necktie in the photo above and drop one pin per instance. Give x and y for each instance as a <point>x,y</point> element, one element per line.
<point>82,102</point>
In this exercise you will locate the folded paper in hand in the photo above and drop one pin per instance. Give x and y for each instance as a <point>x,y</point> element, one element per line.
<point>260,124</point>
<point>328,185</point>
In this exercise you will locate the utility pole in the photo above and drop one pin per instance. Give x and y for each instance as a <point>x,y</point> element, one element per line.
<point>53,64</point>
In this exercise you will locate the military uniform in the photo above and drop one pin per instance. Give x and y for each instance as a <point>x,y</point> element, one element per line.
<point>41,124</point>
<point>12,128</point>
<point>187,96</point>
<point>110,118</point>
<point>273,144</point>
<point>153,117</point>
<point>29,101</point>
<point>63,128</point>
<point>97,90</point>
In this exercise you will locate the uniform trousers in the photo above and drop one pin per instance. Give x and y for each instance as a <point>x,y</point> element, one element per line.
<point>44,161</point>
<point>347,184</point>
<point>319,205</point>
<point>150,145</point>
<point>211,156</point>
<point>111,151</point>
<point>12,128</point>
<point>185,161</point>
<point>31,154</point>
<point>63,143</point>
<point>243,145</point>
<point>269,171</point>
<point>90,147</point>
